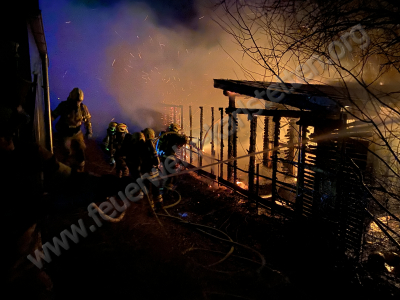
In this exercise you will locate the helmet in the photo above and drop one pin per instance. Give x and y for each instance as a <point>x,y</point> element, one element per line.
<point>149,133</point>
<point>121,127</point>
<point>112,126</point>
<point>137,136</point>
<point>76,94</point>
<point>174,127</point>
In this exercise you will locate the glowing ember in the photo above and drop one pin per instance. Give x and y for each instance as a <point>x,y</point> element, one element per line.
<point>389,268</point>
<point>241,184</point>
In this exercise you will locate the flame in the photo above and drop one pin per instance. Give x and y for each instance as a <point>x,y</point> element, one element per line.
<point>241,184</point>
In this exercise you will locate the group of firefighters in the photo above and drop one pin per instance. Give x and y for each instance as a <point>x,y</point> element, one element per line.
<point>36,182</point>
<point>132,154</point>
<point>135,154</point>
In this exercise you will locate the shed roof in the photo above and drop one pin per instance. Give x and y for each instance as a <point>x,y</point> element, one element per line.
<point>307,96</point>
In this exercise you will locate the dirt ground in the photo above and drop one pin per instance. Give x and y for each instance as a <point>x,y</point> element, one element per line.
<point>144,258</point>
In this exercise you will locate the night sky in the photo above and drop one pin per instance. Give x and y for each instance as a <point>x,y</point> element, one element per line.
<point>130,56</point>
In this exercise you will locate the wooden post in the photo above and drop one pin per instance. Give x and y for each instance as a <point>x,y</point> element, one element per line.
<point>252,149</point>
<point>201,137</point>
<point>222,142</point>
<point>257,185</point>
<point>181,106</point>
<point>191,134</point>
<point>266,142</point>
<point>212,137</point>
<point>234,142</point>
<point>182,157</point>
<point>276,120</point>
<point>231,136</point>
<point>300,171</point>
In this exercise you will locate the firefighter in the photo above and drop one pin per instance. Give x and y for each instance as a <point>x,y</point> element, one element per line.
<point>119,149</point>
<point>149,166</point>
<point>70,139</point>
<point>28,171</point>
<point>132,150</point>
<point>108,141</point>
<point>167,144</point>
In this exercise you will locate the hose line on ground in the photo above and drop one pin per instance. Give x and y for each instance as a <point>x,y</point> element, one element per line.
<point>177,202</point>
<point>107,217</point>
<point>263,262</point>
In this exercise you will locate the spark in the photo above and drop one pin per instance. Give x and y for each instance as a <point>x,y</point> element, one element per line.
<point>201,17</point>
<point>113,63</point>
<point>68,22</point>
<point>145,73</point>
<point>126,70</point>
<point>168,80</point>
<point>65,74</point>
<point>146,17</point>
<point>140,56</point>
<point>187,51</point>
<point>150,38</point>
<point>161,45</point>
<point>118,34</point>
<point>131,54</point>
<point>156,68</point>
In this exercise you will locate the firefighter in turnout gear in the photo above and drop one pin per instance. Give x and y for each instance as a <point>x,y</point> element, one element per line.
<point>27,172</point>
<point>70,140</point>
<point>108,141</point>
<point>119,150</point>
<point>132,150</point>
<point>167,144</point>
<point>149,166</point>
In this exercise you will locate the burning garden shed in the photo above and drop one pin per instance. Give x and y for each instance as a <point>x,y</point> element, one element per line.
<point>315,162</point>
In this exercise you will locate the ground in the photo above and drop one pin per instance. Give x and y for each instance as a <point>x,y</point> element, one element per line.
<point>142,257</point>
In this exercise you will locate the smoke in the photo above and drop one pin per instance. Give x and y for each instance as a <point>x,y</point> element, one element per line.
<point>130,57</point>
<point>167,13</point>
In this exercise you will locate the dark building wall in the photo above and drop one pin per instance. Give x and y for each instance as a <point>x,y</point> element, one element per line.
<point>22,24</point>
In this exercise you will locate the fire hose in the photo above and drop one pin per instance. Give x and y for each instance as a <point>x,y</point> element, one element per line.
<point>107,217</point>
<point>228,240</point>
